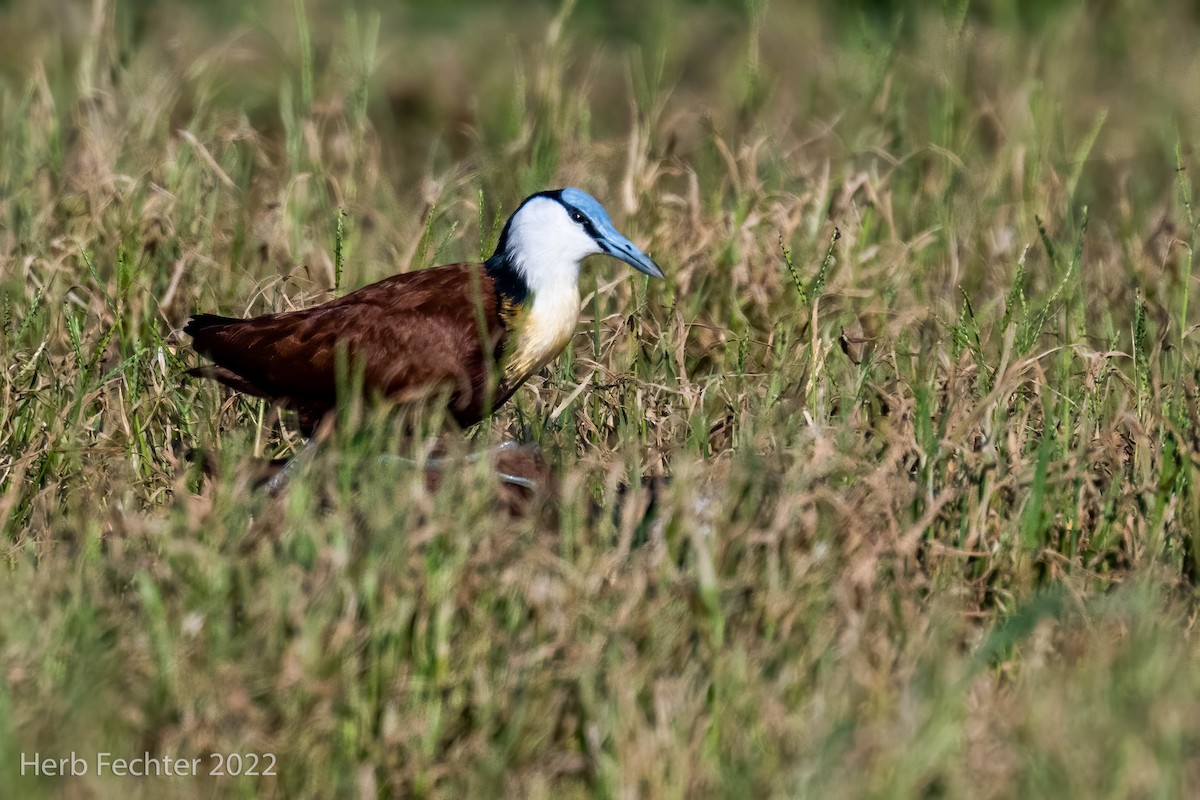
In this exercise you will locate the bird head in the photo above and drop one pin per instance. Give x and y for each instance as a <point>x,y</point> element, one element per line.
<point>552,232</point>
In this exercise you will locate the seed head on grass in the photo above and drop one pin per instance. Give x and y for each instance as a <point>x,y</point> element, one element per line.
<point>962,566</point>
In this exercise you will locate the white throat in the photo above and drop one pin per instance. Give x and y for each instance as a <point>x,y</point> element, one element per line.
<point>546,248</point>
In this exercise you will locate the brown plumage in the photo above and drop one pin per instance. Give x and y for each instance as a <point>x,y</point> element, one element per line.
<point>412,335</point>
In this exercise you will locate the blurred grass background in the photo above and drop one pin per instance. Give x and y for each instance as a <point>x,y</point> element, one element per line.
<point>923,377</point>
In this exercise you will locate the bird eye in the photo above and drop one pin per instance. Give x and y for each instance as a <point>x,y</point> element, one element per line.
<point>576,216</point>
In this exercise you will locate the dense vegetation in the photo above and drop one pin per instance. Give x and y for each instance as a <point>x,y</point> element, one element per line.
<point>919,401</point>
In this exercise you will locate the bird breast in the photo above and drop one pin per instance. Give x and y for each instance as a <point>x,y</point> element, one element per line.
<point>542,331</point>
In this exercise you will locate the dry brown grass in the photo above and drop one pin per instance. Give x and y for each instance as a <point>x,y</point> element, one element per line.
<point>908,509</point>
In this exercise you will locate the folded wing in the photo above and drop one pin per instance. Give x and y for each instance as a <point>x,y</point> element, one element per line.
<point>413,336</point>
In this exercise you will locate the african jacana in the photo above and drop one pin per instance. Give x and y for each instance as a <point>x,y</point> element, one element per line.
<point>471,333</point>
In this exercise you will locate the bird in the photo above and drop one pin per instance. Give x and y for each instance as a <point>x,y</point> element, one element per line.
<point>467,333</point>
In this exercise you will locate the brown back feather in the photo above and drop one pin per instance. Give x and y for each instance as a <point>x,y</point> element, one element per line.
<point>412,335</point>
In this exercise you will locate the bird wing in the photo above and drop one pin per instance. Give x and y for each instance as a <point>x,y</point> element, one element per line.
<point>411,336</point>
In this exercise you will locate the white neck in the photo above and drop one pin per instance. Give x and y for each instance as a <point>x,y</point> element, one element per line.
<point>548,322</point>
<point>545,248</point>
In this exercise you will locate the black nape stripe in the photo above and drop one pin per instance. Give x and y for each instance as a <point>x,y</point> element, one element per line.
<point>510,286</point>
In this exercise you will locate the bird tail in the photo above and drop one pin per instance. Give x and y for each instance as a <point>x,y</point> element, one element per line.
<point>206,331</point>
<point>203,326</point>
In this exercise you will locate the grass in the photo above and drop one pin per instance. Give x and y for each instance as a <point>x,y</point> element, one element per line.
<point>923,376</point>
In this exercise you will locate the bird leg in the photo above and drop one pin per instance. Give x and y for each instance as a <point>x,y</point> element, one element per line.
<point>280,479</point>
<point>440,463</point>
<point>321,431</point>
